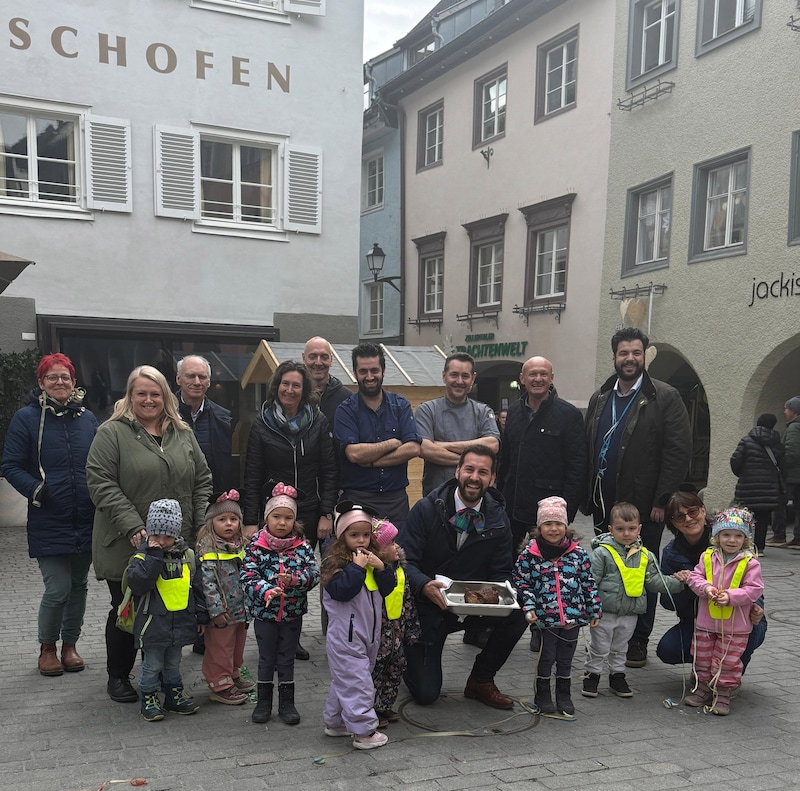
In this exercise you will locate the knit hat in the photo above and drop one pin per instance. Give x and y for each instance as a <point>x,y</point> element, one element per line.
<point>350,513</point>
<point>226,503</point>
<point>733,519</point>
<point>283,496</point>
<point>384,531</point>
<point>552,509</point>
<point>767,420</point>
<point>164,518</point>
<point>794,404</point>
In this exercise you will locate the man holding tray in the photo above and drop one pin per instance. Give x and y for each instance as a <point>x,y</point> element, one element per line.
<point>461,531</point>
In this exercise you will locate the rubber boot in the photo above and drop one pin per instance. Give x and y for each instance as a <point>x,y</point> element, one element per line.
<point>71,659</point>
<point>543,698</point>
<point>49,664</point>
<point>286,710</point>
<point>563,700</point>
<point>263,710</point>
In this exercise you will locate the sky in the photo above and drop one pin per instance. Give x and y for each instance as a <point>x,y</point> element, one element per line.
<point>385,21</point>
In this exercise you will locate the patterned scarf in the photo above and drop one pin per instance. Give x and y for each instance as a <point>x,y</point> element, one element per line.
<point>467,520</point>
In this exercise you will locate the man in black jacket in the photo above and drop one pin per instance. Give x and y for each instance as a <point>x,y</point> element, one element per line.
<point>318,358</point>
<point>460,530</point>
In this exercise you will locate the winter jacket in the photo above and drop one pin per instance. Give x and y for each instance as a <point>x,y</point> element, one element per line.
<point>609,579</point>
<point>561,591</point>
<point>333,395</point>
<point>759,484</point>
<point>126,471</point>
<point>50,472</point>
<point>220,429</point>
<point>155,625</point>
<point>259,574</point>
<point>307,462</point>
<point>429,541</point>
<point>749,591</point>
<point>656,445</point>
<point>542,457</point>
<point>791,444</point>
<point>220,564</point>
<point>680,555</point>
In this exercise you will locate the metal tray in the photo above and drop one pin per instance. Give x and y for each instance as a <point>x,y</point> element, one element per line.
<point>454,598</point>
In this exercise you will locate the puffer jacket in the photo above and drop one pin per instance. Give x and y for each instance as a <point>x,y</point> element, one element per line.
<point>759,484</point>
<point>791,444</point>
<point>222,586</point>
<point>50,472</point>
<point>609,580</point>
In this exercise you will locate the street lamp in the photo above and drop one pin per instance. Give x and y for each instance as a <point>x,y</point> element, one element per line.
<point>375,260</point>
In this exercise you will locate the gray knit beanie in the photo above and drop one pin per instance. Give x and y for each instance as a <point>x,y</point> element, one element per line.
<point>164,518</point>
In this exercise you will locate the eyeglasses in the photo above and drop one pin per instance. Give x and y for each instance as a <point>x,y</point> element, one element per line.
<point>691,513</point>
<point>53,378</point>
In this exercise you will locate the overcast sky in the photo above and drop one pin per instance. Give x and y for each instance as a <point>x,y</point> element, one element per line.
<point>385,21</point>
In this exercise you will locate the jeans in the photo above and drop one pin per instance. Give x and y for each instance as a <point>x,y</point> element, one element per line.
<point>63,604</point>
<point>160,664</point>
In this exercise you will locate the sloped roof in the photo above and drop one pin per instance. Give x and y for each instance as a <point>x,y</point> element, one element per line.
<point>11,266</point>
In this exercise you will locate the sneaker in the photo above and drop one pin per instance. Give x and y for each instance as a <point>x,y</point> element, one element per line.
<point>230,696</point>
<point>590,683</point>
<point>243,684</point>
<point>619,686</point>
<point>151,707</point>
<point>370,742</point>
<point>637,654</point>
<point>794,543</point>
<point>775,541</point>
<point>335,732</point>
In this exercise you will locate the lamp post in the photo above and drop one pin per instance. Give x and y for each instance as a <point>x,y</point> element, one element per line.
<point>375,261</point>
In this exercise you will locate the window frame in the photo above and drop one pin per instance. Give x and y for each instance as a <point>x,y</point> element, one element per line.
<point>542,54</point>
<point>630,244</point>
<point>635,76</point>
<point>705,14</point>
<point>437,108</point>
<point>484,234</point>
<point>794,194</point>
<point>374,295</point>
<point>495,76</point>
<point>366,207</point>
<point>429,248</point>
<point>268,10</point>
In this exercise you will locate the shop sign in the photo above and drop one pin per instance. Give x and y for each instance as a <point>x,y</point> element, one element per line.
<point>780,287</point>
<point>482,345</point>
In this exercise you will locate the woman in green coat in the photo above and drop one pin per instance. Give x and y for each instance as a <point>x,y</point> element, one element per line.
<point>144,452</point>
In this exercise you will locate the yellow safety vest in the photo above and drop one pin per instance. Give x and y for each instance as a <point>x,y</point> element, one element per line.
<point>632,577</point>
<point>714,610</point>
<point>223,555</point>
<point>175,592</point>
<point>394,601</point>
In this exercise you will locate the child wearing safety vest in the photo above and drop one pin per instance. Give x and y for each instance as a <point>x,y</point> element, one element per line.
<point>220,551</point>
<point>727,581</point>
<point>168,600</point>
<point>624,572</point>
<point>355,582</point>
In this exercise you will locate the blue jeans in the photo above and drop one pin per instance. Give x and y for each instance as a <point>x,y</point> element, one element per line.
<point>63,604</point>
<point>161,664</point>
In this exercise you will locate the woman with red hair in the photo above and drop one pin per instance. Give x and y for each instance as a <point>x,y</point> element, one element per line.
<point>44,459</point>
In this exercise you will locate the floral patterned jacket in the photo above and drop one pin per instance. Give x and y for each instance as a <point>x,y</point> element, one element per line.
<point>220,564</point>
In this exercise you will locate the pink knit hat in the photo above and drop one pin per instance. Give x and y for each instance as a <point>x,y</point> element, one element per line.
<point>384,531</point>
<point>552,509</point>
<point>350,513</point>
<point>283,496</point>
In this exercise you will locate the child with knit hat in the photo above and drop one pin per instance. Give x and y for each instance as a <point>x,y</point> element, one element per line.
<point>727,581</point>
<point>558,594</point>
<point>220,550</point>
<point>279,570</point>
<point>168,600</point>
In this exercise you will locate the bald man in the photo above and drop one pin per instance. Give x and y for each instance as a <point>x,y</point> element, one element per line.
<point>543,452</point>
<point>318,358</point>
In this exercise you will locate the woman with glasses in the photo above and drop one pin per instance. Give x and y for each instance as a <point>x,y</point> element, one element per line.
<point>686,517</point>
<point>44,459</point>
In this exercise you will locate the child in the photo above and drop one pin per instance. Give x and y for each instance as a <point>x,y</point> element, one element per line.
<point>355,581</point>
<point>727,581</point>
<point>399,625</point>
<point>554,578</point>
<point>278,572</point>
<point>220,549</point>
<point>167,594</point>
<point>623,571</point>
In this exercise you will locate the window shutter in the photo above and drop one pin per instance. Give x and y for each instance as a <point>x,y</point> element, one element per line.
<point>177,177</point>
<point>303,189</point>
<point>108,164</point>
<point>311,7</point>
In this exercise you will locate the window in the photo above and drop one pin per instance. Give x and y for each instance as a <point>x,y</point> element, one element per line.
<point>557,75</point>
<point>431,275</point>
<point>652,39</point>
<point>43,150</point>
<point>648,222</point>
<point>721,21</point>
<point>264,9</point>
<point>375,302</point>
<point>422,50</point>
<point>794,197</point>
<point>547,252</point>
<point>490,107</point>
<point>486,271</point>
<point>430,136</point>
<point>373,183</point>
<point>719,206</point>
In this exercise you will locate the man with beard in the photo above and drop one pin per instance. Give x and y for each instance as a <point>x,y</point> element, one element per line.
<point>640,447</point>
<point>460,530</point>
<point>318,358</point>
<point>377,436</point>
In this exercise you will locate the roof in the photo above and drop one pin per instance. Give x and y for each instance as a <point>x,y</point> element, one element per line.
<point>11,266</point>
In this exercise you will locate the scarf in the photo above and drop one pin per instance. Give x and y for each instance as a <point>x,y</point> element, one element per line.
<point>290,427</point>
<point>468,520</point>
<point>552,551</point>
<point>266,540</point>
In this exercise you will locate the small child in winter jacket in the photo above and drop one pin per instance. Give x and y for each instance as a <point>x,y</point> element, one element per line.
<point>168,600</point>
<point>624,572</point>
<point>553,576</point>
<point>727,581</point>
<point>220,551</point>
<point>278,572</point>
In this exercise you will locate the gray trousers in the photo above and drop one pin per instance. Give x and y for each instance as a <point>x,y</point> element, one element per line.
<point>609,640</point>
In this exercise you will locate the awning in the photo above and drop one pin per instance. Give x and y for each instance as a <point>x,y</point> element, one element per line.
<point>10,268</point>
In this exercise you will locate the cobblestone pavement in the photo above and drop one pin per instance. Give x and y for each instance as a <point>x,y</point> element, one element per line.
<point>65,734</point>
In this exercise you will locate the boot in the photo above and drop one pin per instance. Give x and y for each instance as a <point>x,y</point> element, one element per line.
<point>722,705</point>
<point>178,702</point>
<point>151,707</point>
<point>263,709</point>
<point>563,700</point>
<point>48,660</point>
<point>286,710</point>
<point>700,696</point>
<point>543,699</point>
<point>71,659</point>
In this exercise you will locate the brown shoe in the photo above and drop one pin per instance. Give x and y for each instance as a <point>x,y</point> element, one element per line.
<point>70,658</point>
<point>48,660</point>
<point>486,692</point>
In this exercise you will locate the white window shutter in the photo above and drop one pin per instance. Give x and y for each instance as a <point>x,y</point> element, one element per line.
<point>303,189</point>
<point>177,177</point>
<point>108,164</point>
<point>311,7</point>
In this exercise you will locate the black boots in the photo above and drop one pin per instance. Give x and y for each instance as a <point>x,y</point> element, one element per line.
<point>543,698</point>
<point>263,709</point>
<point>563,700</point>
<point>286,710</point>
